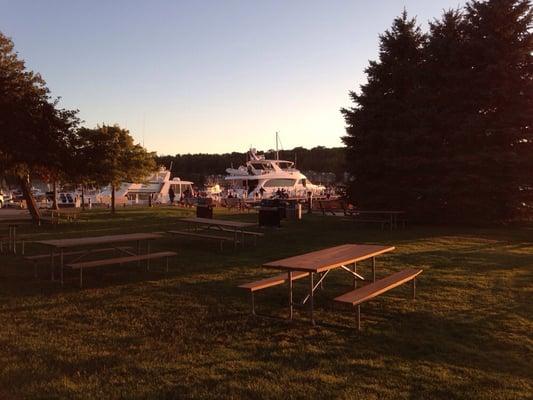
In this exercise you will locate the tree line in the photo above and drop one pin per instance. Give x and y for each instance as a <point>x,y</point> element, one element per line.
<point>196,167</point>
<point>443,126</point>
<point>38,139</point>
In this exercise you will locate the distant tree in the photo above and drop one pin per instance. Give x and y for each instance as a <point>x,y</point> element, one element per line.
<point>385,153</point>
<point>35,134</point>
<point>197,166</point>
<point>110,157</point>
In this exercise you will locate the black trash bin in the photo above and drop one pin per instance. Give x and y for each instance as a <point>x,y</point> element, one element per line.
<point>204,208</point>
<point>276,203</point>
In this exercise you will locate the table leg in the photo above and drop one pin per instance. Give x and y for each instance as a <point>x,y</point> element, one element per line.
<point>391,221</point>
<point>311,298</point>
<point>148,252</point>
<point>138,252</point>
<point>235,239</point>
<point>290,294</point>
<point>10,239</point>
<point>14,239</point>
<point>373,269</point>
<point>61,265</point>
<point>52,266</point>
<point>355,277</point>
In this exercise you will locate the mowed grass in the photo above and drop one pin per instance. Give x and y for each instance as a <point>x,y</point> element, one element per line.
<point>188,333</point>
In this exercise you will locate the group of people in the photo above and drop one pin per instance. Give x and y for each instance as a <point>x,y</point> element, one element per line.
<point>184,198</point>
<point>282,193</point>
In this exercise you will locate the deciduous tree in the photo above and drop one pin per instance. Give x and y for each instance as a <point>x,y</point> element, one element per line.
<point>35,134</point>
<point>110,156</point>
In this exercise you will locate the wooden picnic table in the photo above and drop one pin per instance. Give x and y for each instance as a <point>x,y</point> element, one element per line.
<point>59,245</point>
<point>325,260</point>
<point>221,224</point>
<point>392,214</point>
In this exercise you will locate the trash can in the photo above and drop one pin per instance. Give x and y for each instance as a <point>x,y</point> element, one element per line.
<point>204,208</point>
<point>275,203</point>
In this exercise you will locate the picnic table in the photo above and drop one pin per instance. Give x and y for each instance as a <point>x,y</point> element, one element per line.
<point>391,215</point>
<point>223,225</point>
<point>59,245</point>
<point>322,262</point>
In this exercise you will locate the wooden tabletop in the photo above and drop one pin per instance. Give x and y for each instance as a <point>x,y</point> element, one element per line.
<point>87,241</point>
<point>330,258</point>
<point>377,211</point>
<point>220,222</point>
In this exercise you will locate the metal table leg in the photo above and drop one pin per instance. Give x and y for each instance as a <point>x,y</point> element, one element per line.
<point>61,265</point>
<point>311,298</point>
<point>355,276</point>
<point>52,266</point>
<point>290,294</point>
<point>148,252</point>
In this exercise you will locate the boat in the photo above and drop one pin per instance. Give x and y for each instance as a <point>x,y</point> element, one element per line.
<point>267,178</point>
<point>156,186</point>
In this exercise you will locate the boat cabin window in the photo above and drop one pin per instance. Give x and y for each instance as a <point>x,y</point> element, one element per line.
<point>280,183</point>
<point>303,182</point>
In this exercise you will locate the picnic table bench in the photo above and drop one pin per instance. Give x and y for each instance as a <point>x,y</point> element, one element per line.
<point>382,217</point>
<point>238,228</point>
<point>35,259</point>
<point>11,239</point>
<point>270,282</point>
<point>332,206</point>
<point>324,261</point>
<point>367,292</point>
<point>120,260</point>
<point>60,245</point>
<point>220,239</point>
<point>55,217</point>
<point>320,262</point>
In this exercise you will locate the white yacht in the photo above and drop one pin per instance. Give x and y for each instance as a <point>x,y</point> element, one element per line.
<point>157,186</point>
<point>262,178</point>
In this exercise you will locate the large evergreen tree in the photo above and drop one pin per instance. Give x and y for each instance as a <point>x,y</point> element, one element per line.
<point>496,138</point>
<point>444,130</point>
<point>445,106</point>
<point>383,152</point>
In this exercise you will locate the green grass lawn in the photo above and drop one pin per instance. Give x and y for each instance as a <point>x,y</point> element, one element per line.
<point>132,333</point>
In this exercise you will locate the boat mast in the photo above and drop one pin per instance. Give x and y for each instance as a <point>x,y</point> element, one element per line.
<point>277,151</point>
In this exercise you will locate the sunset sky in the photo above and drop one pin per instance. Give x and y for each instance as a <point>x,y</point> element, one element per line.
<point>207,76</point>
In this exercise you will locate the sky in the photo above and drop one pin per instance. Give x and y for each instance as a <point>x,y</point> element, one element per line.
<point>208,76</point>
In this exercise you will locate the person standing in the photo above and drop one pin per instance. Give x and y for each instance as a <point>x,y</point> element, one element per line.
<point>171,195</point>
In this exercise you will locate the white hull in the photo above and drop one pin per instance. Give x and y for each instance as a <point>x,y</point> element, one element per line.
<point>262,178</point>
